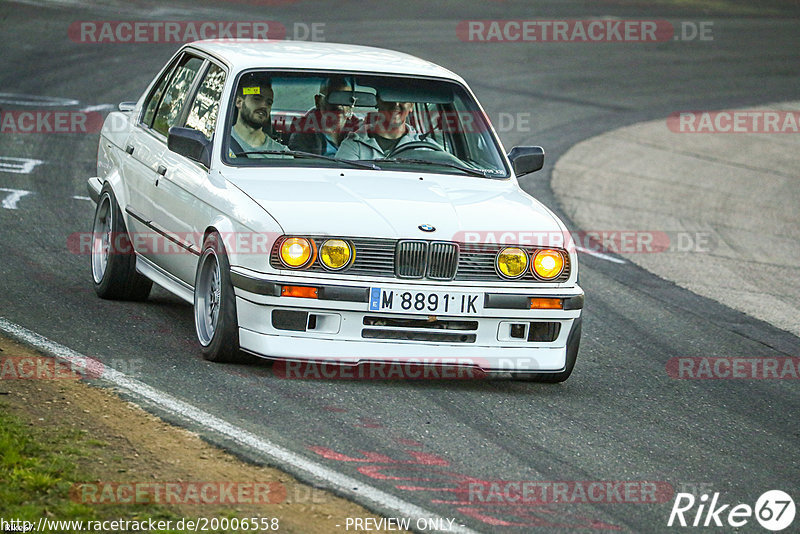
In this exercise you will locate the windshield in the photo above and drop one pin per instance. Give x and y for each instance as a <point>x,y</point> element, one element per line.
<point>304,119</point>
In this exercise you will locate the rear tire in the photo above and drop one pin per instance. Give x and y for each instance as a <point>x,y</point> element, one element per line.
<point>215,318</point>
<point>113,260</point>
<point>573,343</point>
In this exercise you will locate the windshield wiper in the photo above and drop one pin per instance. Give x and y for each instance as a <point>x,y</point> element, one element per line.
<point>310,155</point>
<point>466,170</point>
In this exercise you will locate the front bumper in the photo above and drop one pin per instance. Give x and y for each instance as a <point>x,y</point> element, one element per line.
<point>507,336</point>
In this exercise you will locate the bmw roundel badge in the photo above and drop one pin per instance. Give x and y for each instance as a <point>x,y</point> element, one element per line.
<point>426,228</point>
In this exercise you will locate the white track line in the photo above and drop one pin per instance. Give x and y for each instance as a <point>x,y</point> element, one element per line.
<point>187,412</point>
<point>18,165</point>
<point>16,99</point>
<point>600,255</point>
<point>12,197</point>
<point>99,107</point>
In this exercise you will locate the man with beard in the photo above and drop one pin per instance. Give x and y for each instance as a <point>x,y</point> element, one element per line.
<point>321,130</point>
<point>385,130</point>
<point>254,99</point>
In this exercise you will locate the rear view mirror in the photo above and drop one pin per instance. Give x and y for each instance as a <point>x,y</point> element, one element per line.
<point>526,159</point>
<point>360,99</point>
<point>190,143</point>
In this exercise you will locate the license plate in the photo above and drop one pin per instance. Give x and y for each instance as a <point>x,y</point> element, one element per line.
<point>425,302</point>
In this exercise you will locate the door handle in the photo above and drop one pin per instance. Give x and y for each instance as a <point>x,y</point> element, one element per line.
<point>129,149</point>
<point>162,170</point>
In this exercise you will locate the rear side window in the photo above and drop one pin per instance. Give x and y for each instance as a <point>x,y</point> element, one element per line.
<point>204,110</point>
<point>169,109</point>
<point>155,97</point>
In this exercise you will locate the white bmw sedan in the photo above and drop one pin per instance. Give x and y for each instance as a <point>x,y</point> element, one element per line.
<point>336,203</point>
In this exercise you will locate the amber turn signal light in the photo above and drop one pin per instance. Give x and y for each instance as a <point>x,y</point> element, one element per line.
<point>546,304</point>
<point>300,291</point>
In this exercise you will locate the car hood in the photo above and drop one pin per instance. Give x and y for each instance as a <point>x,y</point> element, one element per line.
<point>388,204</point>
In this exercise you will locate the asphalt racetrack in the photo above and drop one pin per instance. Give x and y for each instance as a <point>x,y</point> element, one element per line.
<point>620,417</point>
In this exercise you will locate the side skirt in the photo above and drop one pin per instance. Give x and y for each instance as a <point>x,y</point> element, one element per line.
<point>164,279</point>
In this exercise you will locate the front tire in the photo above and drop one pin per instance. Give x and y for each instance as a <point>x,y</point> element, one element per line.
<point>215,318</point>
<point>113,260</point>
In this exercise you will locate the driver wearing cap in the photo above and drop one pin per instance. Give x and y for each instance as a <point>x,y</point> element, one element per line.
<point>383,133</point>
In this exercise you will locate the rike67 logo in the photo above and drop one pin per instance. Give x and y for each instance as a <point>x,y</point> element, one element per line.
<point>774,510</point>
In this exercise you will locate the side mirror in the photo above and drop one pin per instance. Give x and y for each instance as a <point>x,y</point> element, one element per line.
<point>127,106</point>
<point>190,143</point>
<point>526,159</point>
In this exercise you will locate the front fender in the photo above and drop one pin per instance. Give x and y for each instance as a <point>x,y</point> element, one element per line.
<point>245,247</point>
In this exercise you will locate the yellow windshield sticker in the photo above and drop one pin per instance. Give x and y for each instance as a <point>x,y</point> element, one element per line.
<point>252,90</point>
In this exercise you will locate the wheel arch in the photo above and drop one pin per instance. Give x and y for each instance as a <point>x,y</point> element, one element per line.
<point>244,246</point>
<point>114,181</point>
<point>223,226</point>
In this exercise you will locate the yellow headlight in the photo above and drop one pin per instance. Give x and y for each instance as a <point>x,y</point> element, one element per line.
<point>512,262</point>
<point>335,254</point>
<point>297,252</point>
<point>548,264</point>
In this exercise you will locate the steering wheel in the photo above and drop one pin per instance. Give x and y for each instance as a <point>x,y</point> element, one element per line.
<point>414,145</point>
